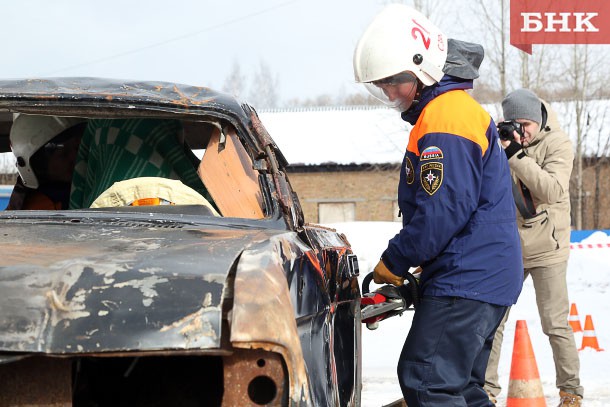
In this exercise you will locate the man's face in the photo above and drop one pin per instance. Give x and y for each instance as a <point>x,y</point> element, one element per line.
<point>62,159</point>
<point>399,90</point>
<point>530,129</point>
<point>404,93</point>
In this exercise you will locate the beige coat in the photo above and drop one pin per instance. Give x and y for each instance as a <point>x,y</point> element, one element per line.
<point>545,170</point>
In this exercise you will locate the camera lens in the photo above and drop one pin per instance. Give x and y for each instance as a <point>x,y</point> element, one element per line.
<point>505,134</point>
<point>506,129</point>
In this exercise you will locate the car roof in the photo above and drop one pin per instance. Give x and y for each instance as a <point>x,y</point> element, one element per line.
<point>114,92</point>
<point>101,97</point>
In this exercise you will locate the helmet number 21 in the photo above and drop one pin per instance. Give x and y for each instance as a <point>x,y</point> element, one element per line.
<point>425,35</point>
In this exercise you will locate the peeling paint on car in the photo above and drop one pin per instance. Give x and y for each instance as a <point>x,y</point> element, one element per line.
<point>120,291</point>
<point>85,291</point>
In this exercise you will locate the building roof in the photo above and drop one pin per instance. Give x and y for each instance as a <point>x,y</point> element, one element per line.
<point>374,135</point>
<point>348,135</point>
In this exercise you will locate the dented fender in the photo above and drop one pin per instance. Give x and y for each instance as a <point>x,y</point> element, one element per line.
<point>262,316</point>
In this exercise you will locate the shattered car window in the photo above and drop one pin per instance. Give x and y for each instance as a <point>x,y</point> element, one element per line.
<point>149,161</point>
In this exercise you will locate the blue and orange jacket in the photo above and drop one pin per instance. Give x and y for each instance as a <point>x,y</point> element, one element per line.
<point>456,201</point>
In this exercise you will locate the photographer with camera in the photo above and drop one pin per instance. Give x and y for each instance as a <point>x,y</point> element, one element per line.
<point>540,157</point>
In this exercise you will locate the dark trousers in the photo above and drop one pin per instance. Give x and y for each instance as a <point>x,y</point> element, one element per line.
<point>444,358</point>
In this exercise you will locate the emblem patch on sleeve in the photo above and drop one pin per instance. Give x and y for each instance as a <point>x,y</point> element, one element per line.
<point>431,153</point>
<point>431,177</point>
<point>409,171</point>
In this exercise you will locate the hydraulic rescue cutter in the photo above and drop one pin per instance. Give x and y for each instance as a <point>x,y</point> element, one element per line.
<point>388,300</point>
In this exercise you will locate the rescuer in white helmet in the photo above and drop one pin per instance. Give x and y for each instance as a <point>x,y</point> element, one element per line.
<point>45,148</point>
<point>456,203</point>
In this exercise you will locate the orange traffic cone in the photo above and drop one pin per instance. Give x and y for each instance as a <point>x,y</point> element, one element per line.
<point>574,319</point>
<point>524,388</point>
<point>589,340</point>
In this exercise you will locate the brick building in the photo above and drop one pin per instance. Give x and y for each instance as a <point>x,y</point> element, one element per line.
<point>336,193</point>
<point>596,199</point>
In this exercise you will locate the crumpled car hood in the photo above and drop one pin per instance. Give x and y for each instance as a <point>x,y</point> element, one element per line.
<point>111,288</point>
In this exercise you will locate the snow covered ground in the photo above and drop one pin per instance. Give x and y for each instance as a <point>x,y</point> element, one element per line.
<point>589,285</point>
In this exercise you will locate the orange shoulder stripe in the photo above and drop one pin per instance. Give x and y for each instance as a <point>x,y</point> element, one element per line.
<point>454,112</point>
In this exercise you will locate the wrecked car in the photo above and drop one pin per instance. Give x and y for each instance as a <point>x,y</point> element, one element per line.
<point>211,290</point>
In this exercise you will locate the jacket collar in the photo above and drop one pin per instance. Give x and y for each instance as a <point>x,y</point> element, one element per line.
<point>552,123</point>
<point>446,84</point>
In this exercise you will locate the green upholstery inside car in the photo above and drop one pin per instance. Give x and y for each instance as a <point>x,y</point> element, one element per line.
<point>114,150</point>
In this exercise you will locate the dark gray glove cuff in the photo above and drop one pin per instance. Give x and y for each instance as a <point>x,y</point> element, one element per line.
<point>512,149</point>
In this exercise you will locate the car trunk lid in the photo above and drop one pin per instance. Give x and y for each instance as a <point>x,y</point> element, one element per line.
<point>114,287</point>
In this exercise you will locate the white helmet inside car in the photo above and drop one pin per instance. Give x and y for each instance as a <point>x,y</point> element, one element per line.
<point>31,132</point>
<point>400,39</point>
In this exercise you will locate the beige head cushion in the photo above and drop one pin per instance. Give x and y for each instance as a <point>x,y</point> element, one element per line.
<point>123,193</point>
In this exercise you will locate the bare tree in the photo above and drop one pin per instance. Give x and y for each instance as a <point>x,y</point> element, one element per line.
<point>356,99</point>
<point>429,8</point>
<point>264,89</point>
<point>541,73</point>
<point>525,70</point>
<point>494,23</point>
<point>235,82</point>
<point>601,154</point>
<point>578,76</point>
<point>511,67</point>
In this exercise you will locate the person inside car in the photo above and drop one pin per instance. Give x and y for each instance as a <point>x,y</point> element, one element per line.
<point>124,162</point>
<point>45,148</point>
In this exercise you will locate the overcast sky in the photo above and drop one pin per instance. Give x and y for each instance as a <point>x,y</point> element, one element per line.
<point>307,44</point>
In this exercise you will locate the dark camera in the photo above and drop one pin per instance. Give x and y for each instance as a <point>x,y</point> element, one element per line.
<point>506,129</point>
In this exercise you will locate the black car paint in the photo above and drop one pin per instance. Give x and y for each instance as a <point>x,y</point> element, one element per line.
<point>36,293</point>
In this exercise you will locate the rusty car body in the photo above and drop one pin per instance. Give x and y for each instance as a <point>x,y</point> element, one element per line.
<point>170,305</point>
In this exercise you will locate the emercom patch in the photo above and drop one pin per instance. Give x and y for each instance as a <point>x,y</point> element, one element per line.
<point>409,171</point>
<point>431,153</point>
<point>431,177</point>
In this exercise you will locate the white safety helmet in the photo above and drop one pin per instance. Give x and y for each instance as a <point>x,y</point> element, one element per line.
<point>31,132</point>
<point>400,39</point>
